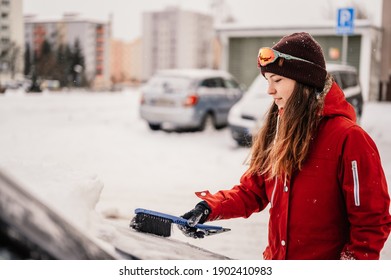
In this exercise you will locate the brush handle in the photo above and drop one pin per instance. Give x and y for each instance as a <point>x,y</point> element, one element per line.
<point>175,219</point>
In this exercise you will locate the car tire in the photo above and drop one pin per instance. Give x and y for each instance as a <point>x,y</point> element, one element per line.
<point>208,122</point>
<point>154,126</point>
<point>244,143</point>
<point>357,108</point>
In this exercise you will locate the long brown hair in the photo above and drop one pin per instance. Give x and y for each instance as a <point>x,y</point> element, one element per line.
<point>283,142</point>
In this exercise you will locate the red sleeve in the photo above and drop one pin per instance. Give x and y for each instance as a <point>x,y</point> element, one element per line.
<point>240,201</point>
<point>366,196</point>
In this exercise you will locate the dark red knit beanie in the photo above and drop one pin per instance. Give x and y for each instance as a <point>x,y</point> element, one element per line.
<point>300,45</point>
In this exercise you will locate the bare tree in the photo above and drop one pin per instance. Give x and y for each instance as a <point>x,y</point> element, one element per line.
<point>9,58</point>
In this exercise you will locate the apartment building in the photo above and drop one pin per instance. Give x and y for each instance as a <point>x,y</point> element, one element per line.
<point>174,38</point>
<point>126,61</point>
<point>119,61</point>
<point>136,61</point>
<point>11,40</point>
<point>93,38</point>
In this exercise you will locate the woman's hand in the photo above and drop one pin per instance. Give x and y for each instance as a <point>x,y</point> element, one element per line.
<point>198,215</point>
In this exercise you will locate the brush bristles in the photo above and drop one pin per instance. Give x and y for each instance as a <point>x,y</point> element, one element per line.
<point>152,224</point>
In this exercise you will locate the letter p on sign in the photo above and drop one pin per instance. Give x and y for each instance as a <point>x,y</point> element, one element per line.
<point>345,20</point>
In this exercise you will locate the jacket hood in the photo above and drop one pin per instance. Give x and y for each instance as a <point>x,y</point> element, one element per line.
<point>335,103</point>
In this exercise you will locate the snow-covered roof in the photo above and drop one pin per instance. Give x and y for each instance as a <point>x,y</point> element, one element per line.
<point>243,28</point>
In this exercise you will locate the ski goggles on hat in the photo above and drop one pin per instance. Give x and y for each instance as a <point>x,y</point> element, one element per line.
<point>267,56</point>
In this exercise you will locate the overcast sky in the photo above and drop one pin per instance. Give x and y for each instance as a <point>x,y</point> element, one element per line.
<point>127,14</point>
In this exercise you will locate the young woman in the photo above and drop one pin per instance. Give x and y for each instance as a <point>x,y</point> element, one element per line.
<point>319,170</point>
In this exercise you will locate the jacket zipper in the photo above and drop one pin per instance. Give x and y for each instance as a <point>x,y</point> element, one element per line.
<point>356,182</point>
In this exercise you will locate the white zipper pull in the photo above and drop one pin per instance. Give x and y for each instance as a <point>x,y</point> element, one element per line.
<point>274,190</point>
<point>285,185</point>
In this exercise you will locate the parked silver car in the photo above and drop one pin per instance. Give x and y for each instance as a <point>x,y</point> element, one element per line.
<point>246,117</point>
<point>189,99</point>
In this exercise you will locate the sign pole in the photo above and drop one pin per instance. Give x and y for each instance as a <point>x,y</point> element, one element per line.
<point>345,49</point>
<point>345,26</point>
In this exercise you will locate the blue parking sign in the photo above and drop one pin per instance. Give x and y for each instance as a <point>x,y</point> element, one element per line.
<point>345,21</point>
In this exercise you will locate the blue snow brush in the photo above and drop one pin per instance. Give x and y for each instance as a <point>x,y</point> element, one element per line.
<point>157,223</point>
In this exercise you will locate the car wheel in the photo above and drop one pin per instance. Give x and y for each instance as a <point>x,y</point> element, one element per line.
<point>208,122</point>
<point>244,143</point>
<point>358,113</point>
<point>154,126</point>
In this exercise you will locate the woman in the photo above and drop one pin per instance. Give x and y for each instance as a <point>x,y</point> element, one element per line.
<point>320,171</point>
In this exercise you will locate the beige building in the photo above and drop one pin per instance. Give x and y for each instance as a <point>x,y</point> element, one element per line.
<point>119,61</point>
<point>11,40</point>
<point>136,61</point>
<point>126,62</point>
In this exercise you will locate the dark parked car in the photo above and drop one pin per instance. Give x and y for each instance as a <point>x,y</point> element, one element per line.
<point>31,230</point>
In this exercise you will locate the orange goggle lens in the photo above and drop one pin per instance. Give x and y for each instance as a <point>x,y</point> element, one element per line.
<point>266,56</point>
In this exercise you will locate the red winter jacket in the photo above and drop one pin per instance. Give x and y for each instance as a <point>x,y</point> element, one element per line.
<point>336,207</point>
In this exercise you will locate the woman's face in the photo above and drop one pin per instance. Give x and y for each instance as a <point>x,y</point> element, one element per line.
<point>280,88</point>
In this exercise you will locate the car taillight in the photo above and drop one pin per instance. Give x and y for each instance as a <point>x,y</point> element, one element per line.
<point>191,100</point>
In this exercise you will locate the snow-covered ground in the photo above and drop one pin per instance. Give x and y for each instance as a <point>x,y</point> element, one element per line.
<point>89,155</point>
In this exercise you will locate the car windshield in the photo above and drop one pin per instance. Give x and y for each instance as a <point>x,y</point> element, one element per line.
<point>169,83</point>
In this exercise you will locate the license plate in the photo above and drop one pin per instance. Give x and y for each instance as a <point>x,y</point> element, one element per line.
<point>163,102</point>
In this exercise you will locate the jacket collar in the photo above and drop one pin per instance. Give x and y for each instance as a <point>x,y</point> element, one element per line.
<point>335,103</point>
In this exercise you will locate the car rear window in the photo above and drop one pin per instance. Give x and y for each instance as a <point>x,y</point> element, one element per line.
<point>212,83</point>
